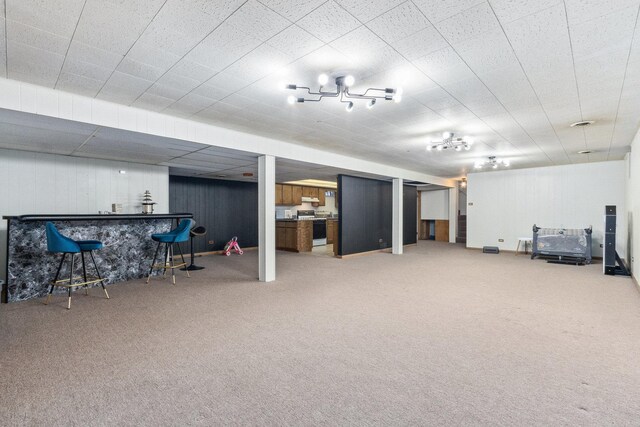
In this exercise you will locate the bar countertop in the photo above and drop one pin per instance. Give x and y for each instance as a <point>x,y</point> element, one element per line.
<point>94,217</point>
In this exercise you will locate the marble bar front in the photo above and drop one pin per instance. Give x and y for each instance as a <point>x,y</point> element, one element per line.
<point>127,253</point>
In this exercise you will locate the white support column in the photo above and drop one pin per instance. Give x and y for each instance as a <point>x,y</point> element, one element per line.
<point>267,218</point>
<point>398,201</point>
<point>453,214</point>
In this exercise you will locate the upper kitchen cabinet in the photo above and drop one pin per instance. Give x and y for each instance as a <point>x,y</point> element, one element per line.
<point>279,194</point>
<point>321,197</point>
<point>287,195</point>
<point>297,194</point>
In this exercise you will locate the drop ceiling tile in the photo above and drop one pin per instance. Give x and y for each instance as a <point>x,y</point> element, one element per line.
<point>32,64</point>
<point>511,10</point>
<point>37,38</point>
<point>444,66</point>
<point>150,55</point>
<point>468,24</point>
<point>3,50</point>
<point>579,11</point>
<point>115,26</point>
<point>604,34</point>
<point>152,102</point>
<point>192,70</point>
<point>140,69</point>
<point>258,63</point>
<point>367,10</point>
<point>223,47</point>
<point>255,20</point>
<point>86,69</point>
<point>491,51</point>
<point>438,10</point>
<point>329,22</point>
<point>92,55</point>
<point>295,42</point>
<point>79,84</point>
<point>292,9</point>
<point>398,23</point>
<point>420,43</point>
<point>177,82</point>
<point>168,38</point>
<point>122,84</point>
<point>55,17</point>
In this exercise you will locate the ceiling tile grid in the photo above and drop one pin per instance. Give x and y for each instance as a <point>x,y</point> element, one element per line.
<point>513,74</point>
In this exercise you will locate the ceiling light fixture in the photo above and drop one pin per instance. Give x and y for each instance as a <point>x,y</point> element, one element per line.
<point>493,162</point>
<point>463,183</point>
<point>585,152</point>
<point>343,83</point>
<point>450,142</point>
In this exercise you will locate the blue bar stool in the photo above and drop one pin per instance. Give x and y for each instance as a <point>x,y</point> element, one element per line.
<point>177,235</point>
<point>57,243</point>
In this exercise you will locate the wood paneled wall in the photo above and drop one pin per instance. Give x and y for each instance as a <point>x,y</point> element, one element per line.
<point>225,208</point>
<point>410,215</point>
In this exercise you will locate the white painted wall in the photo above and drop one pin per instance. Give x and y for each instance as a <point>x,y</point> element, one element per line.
<point>434,204</point>
<point>34,183</point>
<point>633,206</point>
<point>506,204</point>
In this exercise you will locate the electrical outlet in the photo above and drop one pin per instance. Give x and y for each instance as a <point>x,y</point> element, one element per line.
<point>211,242</point>
<point>501,240</point>
<point>470,203</point>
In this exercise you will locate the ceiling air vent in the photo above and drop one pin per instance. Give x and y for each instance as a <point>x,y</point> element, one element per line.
<point>582,123</point>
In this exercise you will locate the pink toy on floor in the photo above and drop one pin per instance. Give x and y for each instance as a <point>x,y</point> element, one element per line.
<point>232,245</point>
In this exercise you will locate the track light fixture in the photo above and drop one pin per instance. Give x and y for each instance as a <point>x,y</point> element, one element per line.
<point>449,142</point>
<point>493,162</point>
<point>342,92</point>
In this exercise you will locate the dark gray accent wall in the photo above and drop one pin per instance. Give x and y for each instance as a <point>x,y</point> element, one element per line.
<point>410,215</point>
<point>225,208</point>
<point>365,209</point>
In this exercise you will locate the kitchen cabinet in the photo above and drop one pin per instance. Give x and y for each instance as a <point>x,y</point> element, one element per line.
<point>306,191</point>
<point>321,196</point>
<point>278,194</point>
<point>297,194</point>
<point>287,195</point>
<point>294,236</point>
<point>331,225</point>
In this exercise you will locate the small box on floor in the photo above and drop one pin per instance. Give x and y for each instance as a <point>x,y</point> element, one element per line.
<point>490,250</point>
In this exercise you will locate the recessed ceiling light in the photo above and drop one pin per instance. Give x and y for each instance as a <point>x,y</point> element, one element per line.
<point>247,174</point>
<point>585,152</point>
<point>220,176</point>
<point>582,123</point>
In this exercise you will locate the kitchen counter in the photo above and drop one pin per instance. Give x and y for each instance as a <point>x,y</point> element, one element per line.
<point>294,235</point>
<point>127,253</point>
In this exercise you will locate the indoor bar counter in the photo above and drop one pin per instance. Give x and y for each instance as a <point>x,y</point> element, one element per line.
<point>127,254</point>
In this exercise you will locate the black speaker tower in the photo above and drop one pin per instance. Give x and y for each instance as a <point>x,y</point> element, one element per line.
<point>612,264</point>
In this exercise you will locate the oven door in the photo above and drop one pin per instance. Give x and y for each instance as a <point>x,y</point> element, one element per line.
<point>319,232</point>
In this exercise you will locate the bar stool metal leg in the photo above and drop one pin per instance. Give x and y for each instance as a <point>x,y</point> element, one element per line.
<point>84,274</point>
<point>70,282</point>
<point>153,263</point>
<point>173,272</point>
<point>99,275</point>
<point>64,255</point>
<point>183,261</point>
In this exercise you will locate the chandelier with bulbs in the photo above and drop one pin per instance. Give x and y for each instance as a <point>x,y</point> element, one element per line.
<point>449,142</point>
<point>344,95</point>
<point>493,162</point>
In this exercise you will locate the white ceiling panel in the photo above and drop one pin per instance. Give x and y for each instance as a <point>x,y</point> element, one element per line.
<point>438,10</point>
<point>295,42</point>
<point>510,10</point>
<point>59,17</point>
<point>399,23</point>
<point>3,48</point>
<point>37,38</point>
<point>293,10</point>
<point>32,64</point>
<point>471,23</point>
<point>328,22</point>
<point>510,73</point>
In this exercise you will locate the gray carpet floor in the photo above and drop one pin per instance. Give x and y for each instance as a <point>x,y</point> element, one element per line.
<point>439,336</point>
